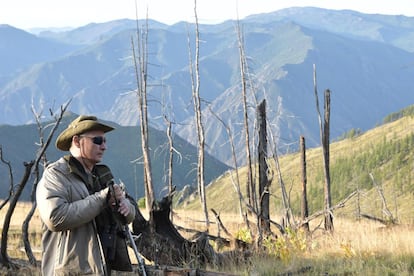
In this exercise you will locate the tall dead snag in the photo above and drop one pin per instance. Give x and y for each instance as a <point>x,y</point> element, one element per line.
<point>287,212</point>
<point>324,134</point>
<point>170,159</point>
<point>171,154</point>
<point>140,65</point>
<point>304,201</point>
<point>195,85</point>
<point>327,191</point>
<point>243,64</point>
<point>236,180</point>
<point>263,169</point>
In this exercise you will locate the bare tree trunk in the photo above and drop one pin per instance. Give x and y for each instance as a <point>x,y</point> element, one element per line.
<point>263,169</point>
<point>324,134</point>
<point>250,191</point>
<point>25,235</point>
<point>41,157</point>
<point>195,83</point>
<point>287,217</point>
<point>288,214</point>
<point>140,64</point>
<point>243,214</point>
<point>26,222</point>
<point>328,201</point>
<point>6,224</point>
<point>385,210</point>
<point>170,161</point>
<point>171,155</point>
<point>11,185</point>
<point>304,201</point>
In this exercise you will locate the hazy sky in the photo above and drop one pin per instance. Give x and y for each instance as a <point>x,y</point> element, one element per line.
<point>26,14</point>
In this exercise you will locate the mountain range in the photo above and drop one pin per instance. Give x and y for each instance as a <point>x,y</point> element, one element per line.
<point>20,144</point>
<point>366,60</point>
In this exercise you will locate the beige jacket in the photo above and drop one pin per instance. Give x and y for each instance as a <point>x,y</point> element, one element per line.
<point>70,240</point>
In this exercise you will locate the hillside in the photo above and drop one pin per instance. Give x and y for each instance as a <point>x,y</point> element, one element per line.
<point>385,151</point>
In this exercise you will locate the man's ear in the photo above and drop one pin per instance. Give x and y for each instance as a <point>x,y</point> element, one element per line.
<point>76,141</point>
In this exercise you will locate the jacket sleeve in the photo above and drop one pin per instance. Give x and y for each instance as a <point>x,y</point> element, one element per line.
<point>63,203</point>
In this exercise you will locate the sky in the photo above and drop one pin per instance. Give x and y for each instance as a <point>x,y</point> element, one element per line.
<point>28,14</point>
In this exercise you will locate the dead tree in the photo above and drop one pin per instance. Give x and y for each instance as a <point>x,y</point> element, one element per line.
<point>140,56</point>
<point>195,86</point>
<point>41,157</point>
<point>287,212</point>
<point>324,135</point>
<point>11,183</point>
<point>4,258</point>
<point>236,181</point>
<point>30,167</point>
<point>287,217</point>
<point>250,190</point>
<point>167,247</point>
<point>264,182</point>
<point>325,146</point>
<point>171,155</point>
<point>389,218</point>
<point>317,214</point>
<point>304,201</point>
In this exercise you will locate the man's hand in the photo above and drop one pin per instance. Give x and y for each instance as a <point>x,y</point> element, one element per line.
<point>119,196</point>
<point>124,207</point>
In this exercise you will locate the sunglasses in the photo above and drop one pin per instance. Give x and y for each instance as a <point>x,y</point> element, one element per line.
<point>97,140</point>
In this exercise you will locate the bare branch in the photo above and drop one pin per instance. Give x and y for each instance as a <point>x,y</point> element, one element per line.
<point>385,208</point>
<point>323,212</point>
<point>40,156</point>
<point>11,184</point>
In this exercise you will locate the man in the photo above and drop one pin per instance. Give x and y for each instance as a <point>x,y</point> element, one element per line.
<point>80,215</point>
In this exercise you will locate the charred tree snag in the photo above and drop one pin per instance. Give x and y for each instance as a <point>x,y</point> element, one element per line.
<point>264,182</point>
<point>324,134</point>
<point>167,247</point>
<point>325,147</point>
<point>304,201</point>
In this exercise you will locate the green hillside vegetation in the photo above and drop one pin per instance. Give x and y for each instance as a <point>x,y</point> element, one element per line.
<point>385,152</point>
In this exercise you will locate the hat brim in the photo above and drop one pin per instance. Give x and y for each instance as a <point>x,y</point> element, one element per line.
<point>64,140</point>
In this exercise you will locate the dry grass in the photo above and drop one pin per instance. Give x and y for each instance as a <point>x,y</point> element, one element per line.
<point>15,243</point>
<point>355,247</point>
<point>363,236</point>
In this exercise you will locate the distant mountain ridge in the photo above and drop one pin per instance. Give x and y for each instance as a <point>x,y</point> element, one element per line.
<point>19,144</point>
<point>19,50</point>
<point>367,61</point>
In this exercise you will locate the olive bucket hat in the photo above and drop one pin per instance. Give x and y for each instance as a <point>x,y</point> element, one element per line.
<point>78,126</point>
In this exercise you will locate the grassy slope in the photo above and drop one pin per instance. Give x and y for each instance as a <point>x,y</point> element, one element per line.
<point>356,248</point>
<point>384,151</point>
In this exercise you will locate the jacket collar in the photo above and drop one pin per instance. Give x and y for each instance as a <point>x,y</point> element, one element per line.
<point>76,168</point>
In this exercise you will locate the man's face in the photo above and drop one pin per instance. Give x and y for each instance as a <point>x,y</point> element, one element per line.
<point>92,145</point>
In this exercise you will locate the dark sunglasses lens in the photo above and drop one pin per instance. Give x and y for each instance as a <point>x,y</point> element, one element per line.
<point>98,140</point>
